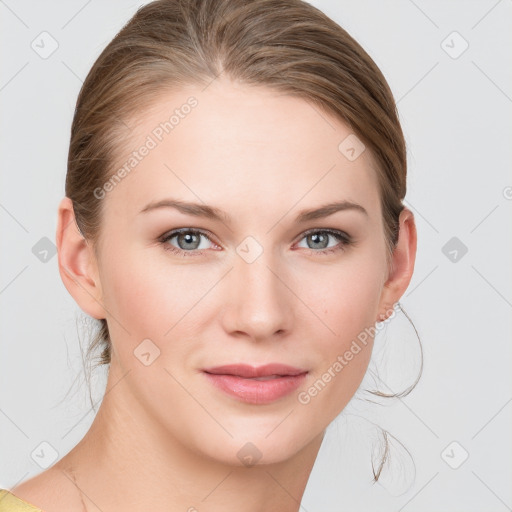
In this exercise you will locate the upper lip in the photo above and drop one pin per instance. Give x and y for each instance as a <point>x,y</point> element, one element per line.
<point>247,371</point>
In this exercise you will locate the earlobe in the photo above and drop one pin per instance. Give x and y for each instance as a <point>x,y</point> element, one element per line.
<point>77,263</point>
<point>402,267</point>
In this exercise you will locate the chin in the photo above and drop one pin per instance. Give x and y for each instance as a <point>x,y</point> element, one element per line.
<point>256,447</point>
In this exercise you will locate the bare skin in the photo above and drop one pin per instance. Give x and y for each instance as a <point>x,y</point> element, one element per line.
<point>164,438</point>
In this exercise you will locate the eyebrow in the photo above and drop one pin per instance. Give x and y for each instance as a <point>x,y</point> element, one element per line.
<point>203,210</point>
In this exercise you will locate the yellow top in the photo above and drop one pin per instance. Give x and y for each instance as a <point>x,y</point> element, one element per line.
<point>11,503</point>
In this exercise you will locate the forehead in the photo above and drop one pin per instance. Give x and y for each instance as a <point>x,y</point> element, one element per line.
<point>240,146</point>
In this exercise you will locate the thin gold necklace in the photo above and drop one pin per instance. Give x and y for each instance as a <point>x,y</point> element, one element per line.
<point>73,479</point>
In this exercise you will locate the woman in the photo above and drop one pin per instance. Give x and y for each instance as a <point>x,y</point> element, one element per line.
<point>234,219</point>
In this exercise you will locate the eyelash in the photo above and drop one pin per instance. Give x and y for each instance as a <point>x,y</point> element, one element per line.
<point>344,238</point>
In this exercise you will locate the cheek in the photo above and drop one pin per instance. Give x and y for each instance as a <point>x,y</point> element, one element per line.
<point>349,305</point>
<point>149,296</point>
<point>351,312</point>
<point>344,296</point>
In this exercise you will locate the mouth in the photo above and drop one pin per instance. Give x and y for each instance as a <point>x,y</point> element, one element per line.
<point>256,385</point>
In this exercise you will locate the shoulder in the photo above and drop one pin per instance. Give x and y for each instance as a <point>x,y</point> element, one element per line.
<point>49,491</point>
<point>9,502</point>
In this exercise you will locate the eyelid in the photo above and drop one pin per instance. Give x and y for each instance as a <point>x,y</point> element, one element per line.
<point>174,232</point>
<point>332,231</point>
<point>203,231</point>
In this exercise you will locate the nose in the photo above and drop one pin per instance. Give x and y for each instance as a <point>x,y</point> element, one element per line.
<point>260,303</point>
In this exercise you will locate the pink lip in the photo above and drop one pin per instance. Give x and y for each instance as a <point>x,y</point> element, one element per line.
<point>239,380</point>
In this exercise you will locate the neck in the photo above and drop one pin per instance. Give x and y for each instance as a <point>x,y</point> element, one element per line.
<point>127,461</point>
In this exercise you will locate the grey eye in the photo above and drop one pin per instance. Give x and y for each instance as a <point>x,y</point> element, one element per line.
<point>187,240</point>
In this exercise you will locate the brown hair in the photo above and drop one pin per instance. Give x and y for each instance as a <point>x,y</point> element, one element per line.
<point>287,45</point>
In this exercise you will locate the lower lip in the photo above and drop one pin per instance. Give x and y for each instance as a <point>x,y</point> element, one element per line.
<point>256,391</point>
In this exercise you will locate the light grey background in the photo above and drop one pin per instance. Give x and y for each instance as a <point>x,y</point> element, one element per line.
<point>455,110</point>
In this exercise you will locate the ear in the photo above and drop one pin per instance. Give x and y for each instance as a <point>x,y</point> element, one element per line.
<point>401,267</point>
<point>77,263</point>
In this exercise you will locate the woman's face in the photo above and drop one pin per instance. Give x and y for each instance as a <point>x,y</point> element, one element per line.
<point>259,282</point>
